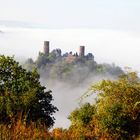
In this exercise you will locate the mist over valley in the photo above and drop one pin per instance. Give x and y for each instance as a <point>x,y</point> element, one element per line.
<point>107,46</point>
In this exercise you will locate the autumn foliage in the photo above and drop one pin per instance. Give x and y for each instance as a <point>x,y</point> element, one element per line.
<point>26,110</point>
<point>116,113</point>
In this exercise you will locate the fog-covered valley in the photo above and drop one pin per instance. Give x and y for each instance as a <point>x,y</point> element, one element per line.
<point>69,70</point>
<point>110,46</point>
<point>68,96</point>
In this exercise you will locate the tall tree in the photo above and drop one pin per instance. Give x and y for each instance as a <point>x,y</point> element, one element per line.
<point>118,108</point>
<point>21,94</point>
<point>116,113</point>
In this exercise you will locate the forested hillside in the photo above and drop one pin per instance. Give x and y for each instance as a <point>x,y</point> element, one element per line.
<point>72,68</point>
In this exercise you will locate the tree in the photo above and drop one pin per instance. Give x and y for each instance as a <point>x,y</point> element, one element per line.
<point>81,118</point>
<point>116,113</point>
<point>117,109</point>
<point>82,115</point>
<point>21,95</point>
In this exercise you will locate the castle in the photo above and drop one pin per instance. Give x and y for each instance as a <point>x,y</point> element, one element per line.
<point>68,56</point>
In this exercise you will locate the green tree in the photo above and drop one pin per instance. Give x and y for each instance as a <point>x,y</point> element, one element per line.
<point>115,114</point>
<point>117,109</point>
<point>81,118</point>
<point>21,94</point>
<point>82,115</point>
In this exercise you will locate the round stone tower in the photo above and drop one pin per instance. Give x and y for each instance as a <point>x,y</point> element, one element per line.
<point>82,51</point>
<point>46,47</point>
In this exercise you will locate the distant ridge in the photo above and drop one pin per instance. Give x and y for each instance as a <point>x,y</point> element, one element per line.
<point>17,24</point>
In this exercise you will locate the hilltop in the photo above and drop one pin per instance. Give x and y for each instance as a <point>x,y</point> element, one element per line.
<point>70,67</point>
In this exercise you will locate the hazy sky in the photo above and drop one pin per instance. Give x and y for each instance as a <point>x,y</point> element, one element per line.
<point>116,14</point>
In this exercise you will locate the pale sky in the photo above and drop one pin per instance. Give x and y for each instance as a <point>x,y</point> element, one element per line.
<point>116,14</point>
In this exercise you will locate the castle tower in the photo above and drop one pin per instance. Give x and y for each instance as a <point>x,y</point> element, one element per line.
<point>46,47</point>
<point>82,51</point>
